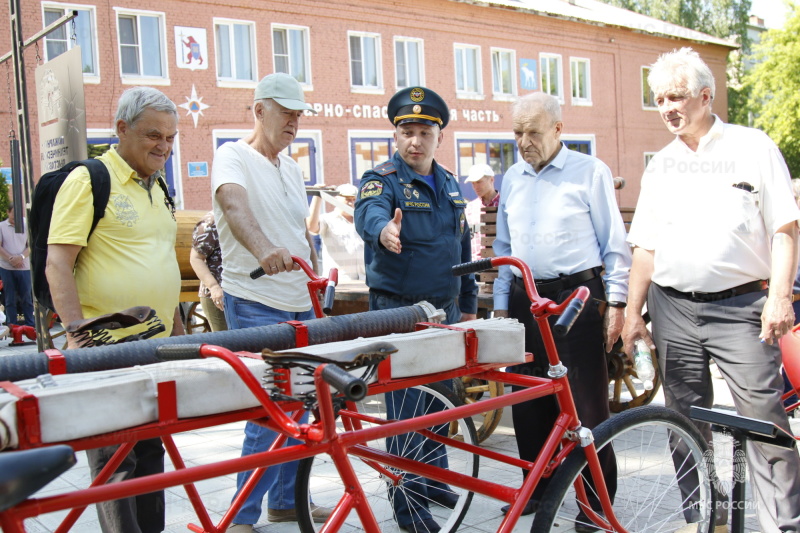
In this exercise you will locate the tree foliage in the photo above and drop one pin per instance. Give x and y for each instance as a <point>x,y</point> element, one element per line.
<point>774,85</point>
<point>720,18</point>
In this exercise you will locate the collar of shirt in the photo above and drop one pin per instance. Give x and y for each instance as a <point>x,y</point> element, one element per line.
<point>123,171</point>
<point>716,132</point>
<point>558,162</point>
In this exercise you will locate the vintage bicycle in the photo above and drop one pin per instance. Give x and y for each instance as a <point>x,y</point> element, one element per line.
<point>347,465</point>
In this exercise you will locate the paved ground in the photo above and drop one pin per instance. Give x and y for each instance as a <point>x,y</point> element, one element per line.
<point>223,442</point>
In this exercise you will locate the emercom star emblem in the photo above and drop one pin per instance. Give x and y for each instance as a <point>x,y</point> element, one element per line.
<point>194,105</point>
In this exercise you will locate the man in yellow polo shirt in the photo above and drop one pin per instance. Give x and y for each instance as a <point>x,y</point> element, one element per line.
<point>129,260</point>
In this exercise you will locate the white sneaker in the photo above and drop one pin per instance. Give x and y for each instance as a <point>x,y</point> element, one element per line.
<point>241,528</point>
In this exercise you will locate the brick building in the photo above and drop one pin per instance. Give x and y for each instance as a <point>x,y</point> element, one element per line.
<point>351,57</point>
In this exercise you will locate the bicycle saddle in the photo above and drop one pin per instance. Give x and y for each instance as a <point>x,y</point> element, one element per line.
<point>371,354</point>
<point>24,472</point>
<point>122,319</point>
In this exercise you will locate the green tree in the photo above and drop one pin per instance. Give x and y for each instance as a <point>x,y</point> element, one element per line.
<point>4,201</point>
<point>774,83</point>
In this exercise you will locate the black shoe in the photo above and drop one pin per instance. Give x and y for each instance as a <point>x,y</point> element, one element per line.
<point>445,499</point>
<point>427,525</point>
<point>531,507</point>
<point>584,525</point>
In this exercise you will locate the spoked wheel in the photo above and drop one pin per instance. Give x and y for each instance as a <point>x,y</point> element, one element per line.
<point>648,495</point>
<point>319,482</point>
<point>195,321</point>
<point>470,389</point>
<point>626,389</point>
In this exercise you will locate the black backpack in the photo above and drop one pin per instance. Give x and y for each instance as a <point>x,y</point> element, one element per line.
<point>44,197</point>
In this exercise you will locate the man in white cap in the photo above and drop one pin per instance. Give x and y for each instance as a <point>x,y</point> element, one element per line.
<point>260,206</point>
<point>481,176</point>
<point>342,246</point>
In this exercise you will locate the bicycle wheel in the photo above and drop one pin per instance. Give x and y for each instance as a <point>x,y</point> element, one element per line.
<point>648,495</point>
<point>319,482</point>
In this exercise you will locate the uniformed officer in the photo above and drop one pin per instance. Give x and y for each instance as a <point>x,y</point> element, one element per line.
<point>410,213</point>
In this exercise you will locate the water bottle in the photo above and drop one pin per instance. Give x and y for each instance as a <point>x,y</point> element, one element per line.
<point>643,364</point>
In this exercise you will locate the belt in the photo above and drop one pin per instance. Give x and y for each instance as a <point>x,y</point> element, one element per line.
<point>753,286</point>
<point>566,281</point>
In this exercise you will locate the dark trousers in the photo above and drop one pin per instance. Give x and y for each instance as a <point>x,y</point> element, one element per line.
<point>583,353</point>
<point>17,289</point>
<point>137,514</point>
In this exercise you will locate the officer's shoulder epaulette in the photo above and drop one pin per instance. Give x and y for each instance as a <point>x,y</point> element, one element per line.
<point>447,170</point>
<point>385,169</point>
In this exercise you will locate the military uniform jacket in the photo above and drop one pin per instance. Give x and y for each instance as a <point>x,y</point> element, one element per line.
<point>434,233</point>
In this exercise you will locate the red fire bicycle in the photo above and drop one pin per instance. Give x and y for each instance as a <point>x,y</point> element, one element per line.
<point>347,465</point>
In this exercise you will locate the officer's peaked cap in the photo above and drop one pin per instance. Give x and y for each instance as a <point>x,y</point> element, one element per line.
<point>418,104</point>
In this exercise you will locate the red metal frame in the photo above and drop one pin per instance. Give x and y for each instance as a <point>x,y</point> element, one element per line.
<point>322,437</point>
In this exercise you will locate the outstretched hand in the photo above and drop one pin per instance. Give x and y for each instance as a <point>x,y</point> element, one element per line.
<point>390,234</point>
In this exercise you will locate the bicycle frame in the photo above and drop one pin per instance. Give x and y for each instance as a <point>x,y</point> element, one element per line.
<point>322,437</point>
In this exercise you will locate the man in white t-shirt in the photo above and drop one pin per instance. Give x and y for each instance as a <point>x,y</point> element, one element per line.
<point>342,246</point>
<point>260,206</point>
<point>715,220</point>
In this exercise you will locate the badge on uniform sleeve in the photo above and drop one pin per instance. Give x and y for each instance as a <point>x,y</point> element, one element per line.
<point>463,222</point>
<point>371,188</point>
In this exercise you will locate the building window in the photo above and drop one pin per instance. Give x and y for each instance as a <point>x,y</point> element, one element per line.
<point>468,70</point>
<point>552,75</point>
<point>290,52</point>
<point>503,80</point>
<point>580,143</point>
<point>142,44</point>
<point>369,152</point>
<point>65,37</point>
<point>648,156</point>
<point>235,42</point>
<point>580,73</point>
<point>408,62</point>
<point>648,97</point>
<point>365,61</point>
<point>499,154</point>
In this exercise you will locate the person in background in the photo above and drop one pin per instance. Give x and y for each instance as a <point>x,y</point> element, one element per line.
<point>558,213</point>
<point>481,176</point>
<point>342,246</point>
<point>206,260</point>
<point>260,206</point>
<point>701,263</point>
<point>128,261</point>
<point>15,271</point>
<point>410,212</point>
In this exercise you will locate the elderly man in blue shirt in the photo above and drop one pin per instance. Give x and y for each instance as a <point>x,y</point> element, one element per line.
<point>558,214</point>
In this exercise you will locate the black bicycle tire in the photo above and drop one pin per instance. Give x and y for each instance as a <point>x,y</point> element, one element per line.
<point>568,471</point>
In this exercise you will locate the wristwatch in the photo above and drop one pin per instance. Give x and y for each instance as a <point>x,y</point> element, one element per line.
<point>620,305</point>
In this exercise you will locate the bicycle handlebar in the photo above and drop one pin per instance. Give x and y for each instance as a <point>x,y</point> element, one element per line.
<point>569,310</point>
<point>316,283</point>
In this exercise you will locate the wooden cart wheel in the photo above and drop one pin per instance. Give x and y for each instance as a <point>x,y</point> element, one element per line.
<point>470,390</point>
<point>195,321</point>
<point>625,388</point>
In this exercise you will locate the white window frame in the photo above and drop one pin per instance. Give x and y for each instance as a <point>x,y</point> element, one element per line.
<point>88,77</point>
<point>466,94</point>
<point>583,137</point>
<point>363,134</point>
<point>580,100</point>
<point>559,73</point>
<point>646,157</point>
<point>308,84</point>
<point>133,79</point>
<point>643,71</point>
<point>366,89</point>
<point>502,96</point>
<point>420,59</point>
<point>233,82</point>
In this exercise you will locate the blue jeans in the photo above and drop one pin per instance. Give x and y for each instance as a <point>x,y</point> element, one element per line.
<point>410,505</point>
<point>278,480</point>
<point>17,286</point>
